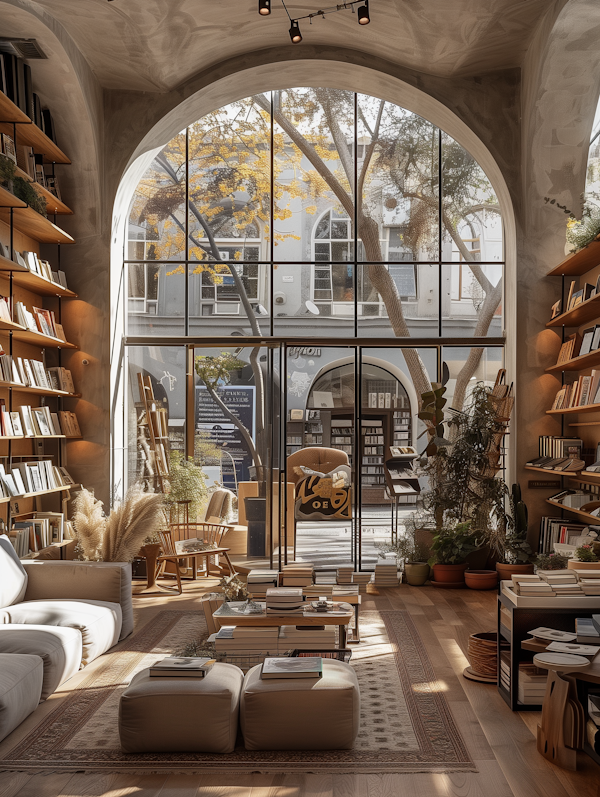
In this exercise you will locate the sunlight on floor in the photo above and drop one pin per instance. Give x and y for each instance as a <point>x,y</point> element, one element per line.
<point>430,686</point>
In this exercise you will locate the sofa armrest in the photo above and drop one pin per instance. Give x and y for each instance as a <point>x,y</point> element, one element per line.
<point>99,581</point>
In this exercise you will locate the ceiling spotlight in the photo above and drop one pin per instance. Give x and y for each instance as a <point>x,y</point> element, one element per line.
<point>264,7</point>
<point>363,14</point>
<point>295,34</point>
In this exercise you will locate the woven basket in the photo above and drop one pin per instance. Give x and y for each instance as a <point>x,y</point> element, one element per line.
<point>483,655</point>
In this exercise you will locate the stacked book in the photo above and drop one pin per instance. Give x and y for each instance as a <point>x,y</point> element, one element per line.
<point>588,630</point>
<point>297,574</point>
<point>285,600</point>
<point>590,586</point>
<point>298,637</point>
<point>505,669</point>
<point>176,667</point>
<point>386,573</point>
<point>344,575</point>
<point>563,582</point>
<point>532,684</point>
<point>315,591</point>
<point>534,589</point>
<point>259,581</point>
<point>246,639</point>
<point>361,579</point>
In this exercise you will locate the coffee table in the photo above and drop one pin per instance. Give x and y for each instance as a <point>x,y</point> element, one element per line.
<point>235,616</point>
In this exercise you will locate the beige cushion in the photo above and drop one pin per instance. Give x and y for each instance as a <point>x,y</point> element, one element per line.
<point>301,713</point>
<point>86,581</point>
<point>13,578</point>
<point>20,689</point>
<point>169,715</point>
<point>59,648</point>
<point>315,457</point>
<point>99,622</point>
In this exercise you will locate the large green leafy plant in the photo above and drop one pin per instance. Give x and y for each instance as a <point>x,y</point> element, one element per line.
<point>451,546</point>
<point>187,483</point>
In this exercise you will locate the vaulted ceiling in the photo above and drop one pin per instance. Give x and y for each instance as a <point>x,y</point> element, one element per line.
<point>155,45</point>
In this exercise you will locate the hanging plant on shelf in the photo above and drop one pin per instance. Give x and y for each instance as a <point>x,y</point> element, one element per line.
<point>25,191</point>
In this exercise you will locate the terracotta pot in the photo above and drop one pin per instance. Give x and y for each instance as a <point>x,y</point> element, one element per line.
<point>505,571</point>
<point>416,573</point>
<point>481,579</point>
<point>573,564</point>
<point>449,574</point>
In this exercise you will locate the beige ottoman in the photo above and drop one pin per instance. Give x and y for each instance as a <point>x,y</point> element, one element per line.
<point>20,689</point>
<point>181,715</point>
<point>301,713</point>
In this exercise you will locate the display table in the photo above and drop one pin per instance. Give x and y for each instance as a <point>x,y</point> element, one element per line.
<point>235,616</point>
<point>525,613</point>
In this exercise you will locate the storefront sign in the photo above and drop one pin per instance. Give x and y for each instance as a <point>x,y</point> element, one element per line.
<point>304,351</point>
<point>222,431</point>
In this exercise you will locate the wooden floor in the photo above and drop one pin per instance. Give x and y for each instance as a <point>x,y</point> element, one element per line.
<point>509,765</point>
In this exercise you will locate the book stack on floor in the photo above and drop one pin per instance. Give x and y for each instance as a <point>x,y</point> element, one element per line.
<point>297,574</point>
<point>246,639</point>
<point>588,630</point>
<point>386,573</point>
<point>259,581</point>
<point>315,591</point>
<point>174,667</point>
<point>590,586</point>
<point>285,600</point>
<point>361,580</point>
<point>344,575</point>
<point>532,684</point>
<point>298,637</point>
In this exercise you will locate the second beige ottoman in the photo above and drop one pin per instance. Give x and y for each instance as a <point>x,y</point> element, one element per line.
<point>181,715</point>
<point>301,713</point>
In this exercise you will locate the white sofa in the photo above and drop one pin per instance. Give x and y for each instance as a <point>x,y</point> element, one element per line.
<point>61,614</point>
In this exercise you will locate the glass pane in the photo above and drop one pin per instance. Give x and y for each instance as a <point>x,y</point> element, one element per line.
<point>156,229</point>
<point>230,178</point>
<point>398,300</point>
<point>162,369</point>
<point>466,367</point>
<point>314,174</point>
<point>156,299</point>
<point>229,298</point>
<point>398,177</point>
<point>473,303</point>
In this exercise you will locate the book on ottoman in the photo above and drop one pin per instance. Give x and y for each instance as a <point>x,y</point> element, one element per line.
<point>188,667</point>
<point>307,667</point>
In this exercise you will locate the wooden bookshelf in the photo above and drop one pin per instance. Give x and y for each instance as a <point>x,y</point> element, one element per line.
<point>39,391</point>
<point>9,326</point>
<point>33,282</point>
<point>555,472</point>
<point>44,492</point>
<point>583,515</point>
<point>54,206</point>
<point>577,363</point>
<point>572,410</point>
<point>584,312</point>
<point>28,221</point>
<point>577,264</point>
<point>9,112</point>
<point>27,133</point>
<point>586,477</point>
<point>8,200</point>
<point>38,339</point>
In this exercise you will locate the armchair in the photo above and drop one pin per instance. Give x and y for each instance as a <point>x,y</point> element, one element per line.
<point>319,497</point>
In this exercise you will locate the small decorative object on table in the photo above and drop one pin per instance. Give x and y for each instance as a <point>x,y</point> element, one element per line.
<point>178,667</point>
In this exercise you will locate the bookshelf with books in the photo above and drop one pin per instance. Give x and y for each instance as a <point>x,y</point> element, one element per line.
<point>35,423</point>
<point>576,317</point>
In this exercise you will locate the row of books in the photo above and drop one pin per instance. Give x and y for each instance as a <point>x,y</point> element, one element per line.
<point>549,583</point>
<point>33,264</point>
<point>17,84</point>
<point>553,530</point>
<point>272,639</point>
<point>532,680</point>
<point>38,532</point>
<point>33,373</point>
<point>586,390</point>
<point>575,297</point>
<point>33,477</point>
<point>556,446</point>
<point>38,320</point>
<point>37,421</point>
<point>559,464</point>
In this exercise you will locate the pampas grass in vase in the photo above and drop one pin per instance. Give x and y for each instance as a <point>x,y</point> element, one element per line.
<point>89,523</point>
<point>139,516</point>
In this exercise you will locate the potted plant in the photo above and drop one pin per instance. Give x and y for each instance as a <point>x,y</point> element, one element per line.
<point>551,561</point>
<point>187,483</point>
<point>412,554</point>
<point>507,537</point>
<point>584,558</point>
<point>450,548</point>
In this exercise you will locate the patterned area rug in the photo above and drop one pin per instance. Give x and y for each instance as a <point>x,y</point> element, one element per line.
<point>406,724</point>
